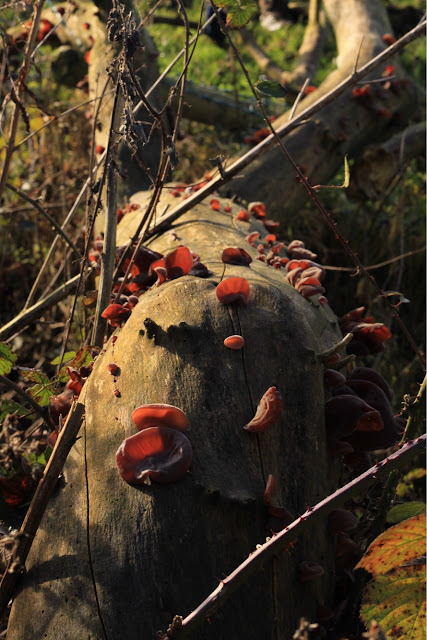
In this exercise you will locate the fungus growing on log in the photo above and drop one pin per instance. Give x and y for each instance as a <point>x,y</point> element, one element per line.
<point>236,256</point>
<point>268,412</point>
<point>348,413</point>
<point>159,453</point>
<point>308,571</point>
<point>366,373</point>
<point>159,415</point>
<point>271,502</point>
<point>234,342</point>
<point>341,520</point>
<point>116,314</point>
<point>234,289</point>
<point>179,258</point>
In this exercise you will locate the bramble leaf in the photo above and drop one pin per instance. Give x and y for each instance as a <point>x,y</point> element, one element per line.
<point>401,512</point>
<point>69,355</point>
<point>396,600</point>
<point>270,88</point>
<point>12,407</point>
<point>7,358</point>
<point>239,12</point>
<point>399,544</point>
<point>43,388</point>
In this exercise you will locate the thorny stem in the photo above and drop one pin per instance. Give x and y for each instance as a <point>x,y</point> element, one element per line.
<point>41,411</point>
<point>279,542</point>
<point>21,90</point>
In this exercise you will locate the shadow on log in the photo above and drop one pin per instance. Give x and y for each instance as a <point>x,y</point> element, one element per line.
<point>118,561</point>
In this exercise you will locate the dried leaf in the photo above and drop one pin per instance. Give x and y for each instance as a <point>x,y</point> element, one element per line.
<point>399,544</point>
<point>396,600</point>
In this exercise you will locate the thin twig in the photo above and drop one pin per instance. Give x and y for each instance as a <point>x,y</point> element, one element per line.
<point>378,264</point>
<point>46,215</point>
<point>28,316</point>
<point>298,98</point>
<point>279,542</point>
<point>358,54</point>
<point>28,530</point>
<point>41,411</point>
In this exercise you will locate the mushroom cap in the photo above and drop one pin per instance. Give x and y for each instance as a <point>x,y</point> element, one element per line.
<point>234,289</point>
<point>308,571</point>
<point>239,256</point>
<point>268,412</point>
<point>160,453</point>
<point>341,520</point>
<point>159,415</point>
<point>234,342</point>
<point>179,258</point>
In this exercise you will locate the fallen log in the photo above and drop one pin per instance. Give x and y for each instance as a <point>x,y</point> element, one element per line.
<point>112,560</point>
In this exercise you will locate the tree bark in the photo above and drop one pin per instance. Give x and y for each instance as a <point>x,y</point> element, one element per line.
<point>117,561</point>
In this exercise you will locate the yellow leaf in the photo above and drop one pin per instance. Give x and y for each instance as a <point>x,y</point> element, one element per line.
<point>399,544</point>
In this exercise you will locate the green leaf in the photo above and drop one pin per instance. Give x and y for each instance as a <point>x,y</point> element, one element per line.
<point>401,512</point>
<point>396,600</point>
<point>12,407</point>
<point>270,88</point>
<point>69,355</point>
<point>399,544</point>
<point>34,375</point>
<point>346,174</point>
<point>239,12</point>
<point>7,358</point>
<point>42,392</point>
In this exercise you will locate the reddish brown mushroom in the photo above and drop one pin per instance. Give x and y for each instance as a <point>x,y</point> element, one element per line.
<point>234,342</point>
<point>366,373</point>
<point>238,256</point>
<point>159,415</point>
<point>233,289</point>
<point>161,454</point>
<point>179,258</point>
<point>116,314</point>
<point>271,502</point>
<point>341,520</point>
<point>268,412</point>
<point>309,571</point>
<point>347,413</point>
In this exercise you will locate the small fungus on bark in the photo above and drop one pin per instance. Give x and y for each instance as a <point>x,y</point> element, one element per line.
<point>159,415</point>
<point>234,342</point>
<point>341,520</point>
<point>238,256</point>
<point>159,453</point>
<point>268,412</point>
<point>234,289</point>
<point>309,571</point>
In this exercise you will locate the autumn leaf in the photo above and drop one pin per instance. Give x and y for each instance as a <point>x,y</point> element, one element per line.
<point>43,388</point>
<point>7,358</point>
<point>399,544</point>
<point>396,600</point>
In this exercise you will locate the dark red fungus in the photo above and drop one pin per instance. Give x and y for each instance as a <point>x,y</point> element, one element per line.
<point>334,378</point>
<point>257,209</point>
<point>308,571</point>
<point>341,520</point>
<point>234,289</point>
<point>236,256</point>
<point>159,453</point>
<point>112,368</point>
<point>271,502</point>
<point>252,237</point>
<point>60,405</point>
<point>199,270</point>
<point>243,215</point>
<point>159,415</point>
<point>268,412</point>
<point>178,258</point>
<point>215,204</point>
<point>366,373</point>
<point>270,225</point>
<point>116,314</point>
<point>347,413</point>
<point>234,342</point>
